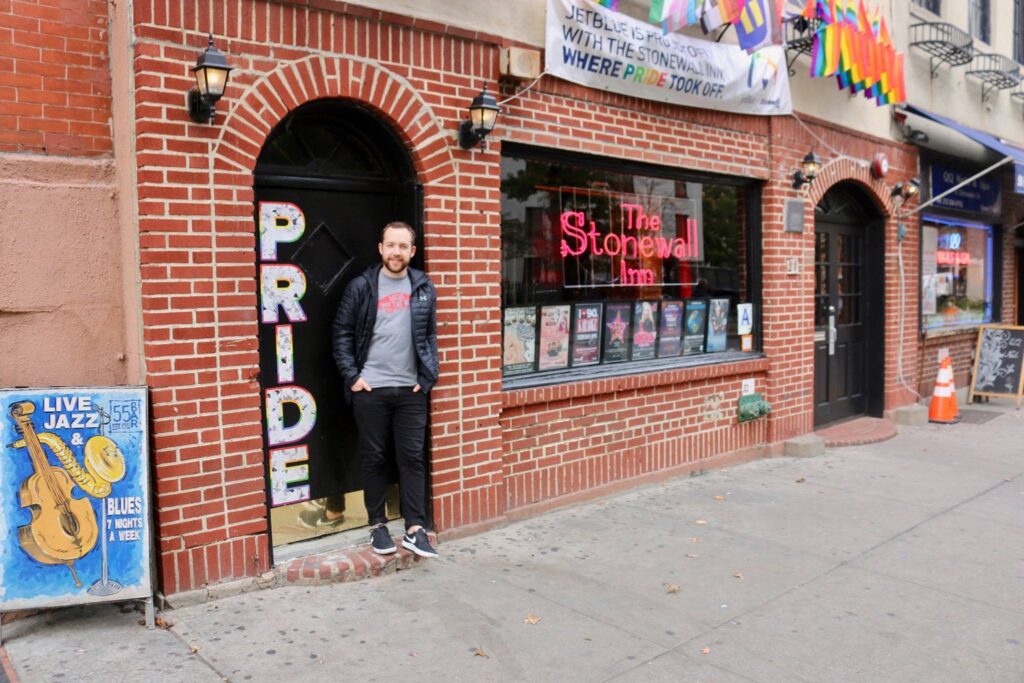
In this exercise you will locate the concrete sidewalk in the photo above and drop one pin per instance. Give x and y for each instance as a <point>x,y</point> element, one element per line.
<point>898,561</point>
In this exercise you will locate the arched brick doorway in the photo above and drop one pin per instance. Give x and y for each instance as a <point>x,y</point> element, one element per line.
<point>849,305</point>
<point>329,175</point>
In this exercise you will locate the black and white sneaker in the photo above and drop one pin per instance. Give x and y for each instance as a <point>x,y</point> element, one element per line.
<point>419,543</point>
<point>381,541</point>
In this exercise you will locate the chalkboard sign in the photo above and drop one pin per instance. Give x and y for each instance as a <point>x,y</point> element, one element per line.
<point>998,363</point>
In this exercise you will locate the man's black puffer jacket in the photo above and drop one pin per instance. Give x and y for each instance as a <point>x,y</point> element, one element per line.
<point>357,313</point>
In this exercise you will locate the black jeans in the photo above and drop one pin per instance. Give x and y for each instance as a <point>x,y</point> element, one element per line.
<point>402,413</point>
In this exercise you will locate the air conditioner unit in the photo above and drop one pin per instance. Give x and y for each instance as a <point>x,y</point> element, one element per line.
<point>519,63</point>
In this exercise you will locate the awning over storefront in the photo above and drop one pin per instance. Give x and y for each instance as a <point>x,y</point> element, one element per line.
<point>998,145</point>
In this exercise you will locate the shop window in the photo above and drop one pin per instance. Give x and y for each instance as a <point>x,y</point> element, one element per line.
<point>604,264</point>
<point>979,14</point>
<point>956,273</point>
<point>934,6</point>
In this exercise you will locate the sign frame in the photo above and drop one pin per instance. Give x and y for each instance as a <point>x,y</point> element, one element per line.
<point>1019,395</point>
<point>106,429</point>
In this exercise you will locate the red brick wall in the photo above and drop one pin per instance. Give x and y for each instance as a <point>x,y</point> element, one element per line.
<point>54,77</point>
<point>493,452</point>
<point>789,303</point>
<point>199,289</point>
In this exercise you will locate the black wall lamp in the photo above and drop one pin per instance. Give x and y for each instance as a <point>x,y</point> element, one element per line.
<point>808,170</point>
<point>906,191</point>
<point>211,73</point>
<point>483,114</point>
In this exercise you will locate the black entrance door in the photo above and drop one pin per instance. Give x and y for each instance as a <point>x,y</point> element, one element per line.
<point>329,177</point>
<point>848,318</point>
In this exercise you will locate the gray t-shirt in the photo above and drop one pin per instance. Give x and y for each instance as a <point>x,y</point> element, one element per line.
<point>391,361</point>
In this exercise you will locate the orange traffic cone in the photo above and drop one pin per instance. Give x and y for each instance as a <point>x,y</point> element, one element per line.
<point>943,408</point>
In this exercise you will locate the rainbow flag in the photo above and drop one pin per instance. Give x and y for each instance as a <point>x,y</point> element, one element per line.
<point>719,12</point>
<point>827,11</point>
<point>760,25</point>
<point>674,14</point>
<point>610,4</point>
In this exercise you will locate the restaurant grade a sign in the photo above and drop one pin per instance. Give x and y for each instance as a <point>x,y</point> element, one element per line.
<point>593,46</point>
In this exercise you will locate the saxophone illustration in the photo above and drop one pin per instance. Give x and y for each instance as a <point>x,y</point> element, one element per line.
<point>104,462</point>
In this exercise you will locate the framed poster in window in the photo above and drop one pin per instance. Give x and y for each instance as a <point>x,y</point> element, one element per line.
<point>645,330</point>
<point>670,334</point>
<point>519,340</point>
<point>718,324</point>
<point>586,335</point>
<point>695,318</point>
<point>617,327</point>
<point>554,337</point>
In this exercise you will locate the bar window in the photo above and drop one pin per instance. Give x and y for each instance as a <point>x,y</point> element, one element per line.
<point>956,273</point>
<point>603,264</point>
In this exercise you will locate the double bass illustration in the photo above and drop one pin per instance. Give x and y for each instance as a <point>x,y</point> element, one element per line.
<point>63,528</point>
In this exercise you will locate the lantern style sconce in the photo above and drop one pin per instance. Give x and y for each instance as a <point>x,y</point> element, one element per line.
<point>808,170</point>
<point>908,190</point>
<point>211,73</point>
<point>483,114</point>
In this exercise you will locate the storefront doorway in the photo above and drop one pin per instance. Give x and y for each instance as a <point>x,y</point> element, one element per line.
<point>849,317</point>
<point>330,175</point>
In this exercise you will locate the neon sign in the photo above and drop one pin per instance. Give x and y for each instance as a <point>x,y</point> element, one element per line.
<point>951,240</point>
<point>947,257</point>
<point>640,239</point>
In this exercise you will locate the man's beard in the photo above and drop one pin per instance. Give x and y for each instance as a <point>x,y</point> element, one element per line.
<point>402,265</point>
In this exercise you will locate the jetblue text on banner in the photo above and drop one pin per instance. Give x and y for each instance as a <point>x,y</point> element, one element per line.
<point>593,46</point>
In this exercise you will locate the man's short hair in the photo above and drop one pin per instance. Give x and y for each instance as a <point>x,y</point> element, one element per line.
<point>398,225</point>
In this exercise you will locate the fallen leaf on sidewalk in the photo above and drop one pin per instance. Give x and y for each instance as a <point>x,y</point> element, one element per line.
<point>694,539</point>
<point>719,497</point>
<point>702,521</point>
<point>480,653</point>
<point>800,480</point>
<point>671,588</point>
<point>705,650</point>
<point>532,619</point>
<point>160,623</point>
<point>195,649</point>
<point>738,575</point>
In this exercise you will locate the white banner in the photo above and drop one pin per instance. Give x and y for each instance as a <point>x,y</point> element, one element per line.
<point>596,47</point>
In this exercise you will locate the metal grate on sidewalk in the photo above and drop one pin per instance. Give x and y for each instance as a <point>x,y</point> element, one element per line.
<point>977,417</point>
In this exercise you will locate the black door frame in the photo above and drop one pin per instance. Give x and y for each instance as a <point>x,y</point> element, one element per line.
<point>396,181</point>
<point>871,223</point>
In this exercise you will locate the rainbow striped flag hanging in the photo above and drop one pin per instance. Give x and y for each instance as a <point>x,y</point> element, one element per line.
<point>854,45</point>
<point>675,14</point>
<point>610,4</point>
<point>719,12</point>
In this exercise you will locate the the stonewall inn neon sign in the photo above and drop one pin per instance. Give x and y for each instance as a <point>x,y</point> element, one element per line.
<point>634,255</point>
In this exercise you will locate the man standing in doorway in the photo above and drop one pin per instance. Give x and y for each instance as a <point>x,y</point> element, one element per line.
<point>385,346</point>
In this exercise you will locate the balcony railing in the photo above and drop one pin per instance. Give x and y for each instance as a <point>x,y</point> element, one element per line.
<point>995,71</point>
<point>944,42</point>
<point>799,35</point>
